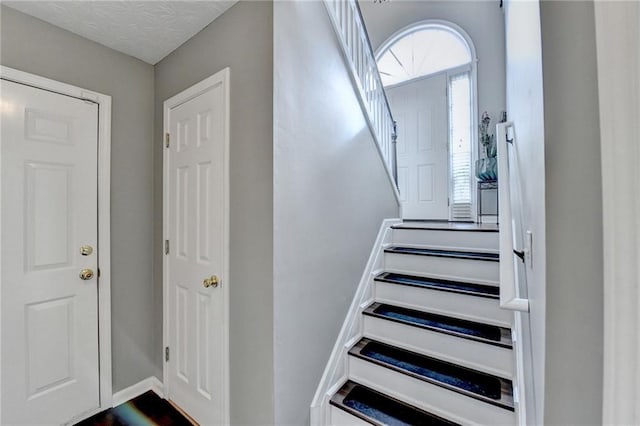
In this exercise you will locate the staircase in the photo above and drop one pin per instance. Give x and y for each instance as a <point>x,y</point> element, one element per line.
<point>426,341</point>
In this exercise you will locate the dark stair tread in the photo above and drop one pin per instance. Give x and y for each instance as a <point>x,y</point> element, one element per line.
<point>446,226</point>
<point>485,333</point>
<point>480,290</point>
<point>475,384</point>
<point>457,254</point>
<point>379,409</point>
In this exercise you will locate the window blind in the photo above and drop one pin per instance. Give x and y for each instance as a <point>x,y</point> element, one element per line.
<point>460,145</point>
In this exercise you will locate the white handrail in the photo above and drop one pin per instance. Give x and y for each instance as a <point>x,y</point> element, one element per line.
<point>508,286</point>
<point>349,26</point>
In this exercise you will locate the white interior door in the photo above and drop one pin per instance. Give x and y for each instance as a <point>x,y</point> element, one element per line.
<point>196,217</point>
<point>49,211</point>
<point>420,108</point>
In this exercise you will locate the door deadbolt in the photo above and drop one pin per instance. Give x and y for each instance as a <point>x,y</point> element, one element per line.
<point>212,281</point>
<point>86,274</point>
<point>86,250</point>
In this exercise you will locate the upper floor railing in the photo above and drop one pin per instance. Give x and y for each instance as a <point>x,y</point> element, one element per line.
<point>349,25</point>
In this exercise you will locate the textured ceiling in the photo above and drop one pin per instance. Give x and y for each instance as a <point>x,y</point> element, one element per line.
<point>147,30</point>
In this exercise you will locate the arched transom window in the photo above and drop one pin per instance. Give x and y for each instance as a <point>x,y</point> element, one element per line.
<point>421,51</point>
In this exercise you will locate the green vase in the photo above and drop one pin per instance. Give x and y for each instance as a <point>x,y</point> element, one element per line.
<point>487,169</point>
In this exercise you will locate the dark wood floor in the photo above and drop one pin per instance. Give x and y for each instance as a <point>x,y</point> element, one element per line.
<point>147,409</point>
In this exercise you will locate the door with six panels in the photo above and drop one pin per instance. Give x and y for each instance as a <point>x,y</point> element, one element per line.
<point>196,251</point>
<point>49,261</point>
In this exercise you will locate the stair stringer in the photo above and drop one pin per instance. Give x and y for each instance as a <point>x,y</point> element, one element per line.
<point>336,372</point>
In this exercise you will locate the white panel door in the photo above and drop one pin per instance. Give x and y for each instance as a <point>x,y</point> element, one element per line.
<point>49,211</point>
<point>196,212</point>
<point>420,108</point>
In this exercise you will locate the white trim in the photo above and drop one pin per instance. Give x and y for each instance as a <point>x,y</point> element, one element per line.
<point>104,212</point>
<point>473,68</point>
<point>182,97</point>
<point>335,373</point>
<point>519,384</point>
<point>618,60</point>
<point>149,384</point>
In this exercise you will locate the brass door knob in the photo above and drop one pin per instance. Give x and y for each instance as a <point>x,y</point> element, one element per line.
<point>212,281</point>
<point>86,274</point>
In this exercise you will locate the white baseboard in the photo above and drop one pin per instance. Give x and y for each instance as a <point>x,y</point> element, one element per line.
<point>148,384</point>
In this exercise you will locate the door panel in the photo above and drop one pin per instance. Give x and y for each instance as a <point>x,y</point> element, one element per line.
<point>420,108</point>
<point>48,215</point>
<point>426,183</point>
<point>195,219</point>
<point>49,210</point>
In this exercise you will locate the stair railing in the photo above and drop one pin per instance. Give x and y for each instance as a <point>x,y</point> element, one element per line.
<point>349,26</point>
<point>509,298</point>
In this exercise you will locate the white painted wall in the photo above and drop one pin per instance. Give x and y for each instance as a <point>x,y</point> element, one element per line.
<point>618,48</point>
<point>525,107</point>
<point>551,79</point>
<point>482,20</point>
<point>574,289</point>
<point>331,194</point>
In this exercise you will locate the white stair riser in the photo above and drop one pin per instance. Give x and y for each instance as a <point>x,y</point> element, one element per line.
<point>470,353</point>
<point>447,239</point>
<point>426,395</point>
<point>481,309</point>
<point>482,271</point>
<point>340,417</point>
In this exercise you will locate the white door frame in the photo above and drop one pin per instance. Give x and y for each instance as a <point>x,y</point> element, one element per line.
<point>617,35</point>
<point>170,103</point>
<point>104,216</point>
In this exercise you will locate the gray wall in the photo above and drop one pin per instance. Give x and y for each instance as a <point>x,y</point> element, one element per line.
<point>574,347</point>
<point>242,39</point>
<point>482,20</point>
<point>330,196</point>
<point>31,45</point>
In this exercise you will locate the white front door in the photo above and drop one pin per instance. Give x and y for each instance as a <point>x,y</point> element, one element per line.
<point>420,108</point>
<point>49,212</point>
<point>196,217</point>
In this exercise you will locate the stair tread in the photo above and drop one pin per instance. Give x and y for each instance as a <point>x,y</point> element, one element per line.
<point>458,254</point>
<point>447,226</point>
<point>480,290</point>
<point>380,409</point>
<point>482,386</point>
<point>485,333</point>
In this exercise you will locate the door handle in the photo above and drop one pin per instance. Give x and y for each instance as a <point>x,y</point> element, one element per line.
<point>86,274</point>
<point>212,281</point>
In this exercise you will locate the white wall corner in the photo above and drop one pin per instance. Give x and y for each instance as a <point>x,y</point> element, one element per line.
<point>149,384</point>
<point>335,373</point>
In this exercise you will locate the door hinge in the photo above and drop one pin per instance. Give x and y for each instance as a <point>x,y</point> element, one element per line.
<point>166,140</point>
<point>166,246</point>
<point>166,354</point>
